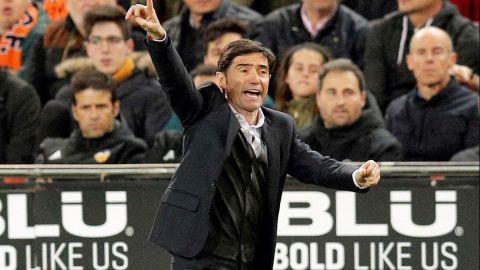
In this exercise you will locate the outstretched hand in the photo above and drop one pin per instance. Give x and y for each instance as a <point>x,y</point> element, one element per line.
<point>147,18</point>
<point>368,175</point>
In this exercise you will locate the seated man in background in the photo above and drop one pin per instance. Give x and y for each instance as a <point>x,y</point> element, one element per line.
<point>99,138</point>
<point>19,109</point>
<point>439,116</point>
<point>349,126</point>
<point>218,35</point>
<point>22,23</point>
<point>387,73</point>
<point>109,47</point>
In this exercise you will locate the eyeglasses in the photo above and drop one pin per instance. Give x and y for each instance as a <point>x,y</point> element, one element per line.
<point>111,40</point>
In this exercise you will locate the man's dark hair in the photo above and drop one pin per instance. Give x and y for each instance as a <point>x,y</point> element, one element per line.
<point>222,26</point>
<point>108,13</point>
<point>342,64</point>
<point>244,47</point>
<point>90,78</point>
<point>283,93</point>
<point>203,70</point>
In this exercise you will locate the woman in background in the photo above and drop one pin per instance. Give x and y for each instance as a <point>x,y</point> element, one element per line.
<point>297,82</point>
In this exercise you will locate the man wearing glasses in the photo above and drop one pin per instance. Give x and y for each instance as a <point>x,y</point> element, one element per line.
<point>109,49</point>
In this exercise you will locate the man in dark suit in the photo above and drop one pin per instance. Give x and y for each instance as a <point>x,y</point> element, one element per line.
<point>221,207</point>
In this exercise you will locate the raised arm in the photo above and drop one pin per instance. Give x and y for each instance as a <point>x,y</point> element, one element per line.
<point>186,101</point>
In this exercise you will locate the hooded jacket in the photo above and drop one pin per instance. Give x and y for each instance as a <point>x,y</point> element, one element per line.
<point>344,34</point>
<point>179,30</point>
<point>116,147</point>
<point>387,74</point>
<point>436,129</point>
<point>143,104</point>
<point>365,139</point>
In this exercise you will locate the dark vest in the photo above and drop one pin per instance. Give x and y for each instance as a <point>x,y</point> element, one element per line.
<point>236,211</point>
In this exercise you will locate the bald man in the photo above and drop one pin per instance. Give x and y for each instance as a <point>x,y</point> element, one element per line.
<point>439,116</point>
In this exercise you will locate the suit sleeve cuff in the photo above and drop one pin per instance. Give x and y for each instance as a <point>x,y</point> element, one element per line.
<point>355,181</point>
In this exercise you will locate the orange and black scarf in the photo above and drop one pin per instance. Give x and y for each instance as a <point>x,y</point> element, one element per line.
<point>11,40</point>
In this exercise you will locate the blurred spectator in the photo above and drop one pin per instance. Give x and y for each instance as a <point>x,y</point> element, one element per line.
<point>56,9</point>
<point>297,82</point>
<point>63,40</point>
<point>167,148</point>
<point>186,30</point>
<point>371,9</point>
<point>19,108</point>
<point>326,22</point>
<point>109,46</point>
<point>218,35</point>
<point>22,23</point>
<point>203,74</point>
<point>469,8</point>
<point>100,138</point>
<point>349,127</point>
<point>439,116</point>
<point>387,73</point>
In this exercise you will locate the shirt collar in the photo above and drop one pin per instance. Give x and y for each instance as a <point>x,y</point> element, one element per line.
<point>314,29</point>
<point>244,124</point>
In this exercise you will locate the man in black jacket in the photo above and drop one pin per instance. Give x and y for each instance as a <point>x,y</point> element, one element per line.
<point>19,109</point>
<point>220,210</point>
<point>187,29</point>
<point>99,138</point>
<point>349,126</point>
<point>387,73</point>
<point>439,116</point>
<point>327,22</point>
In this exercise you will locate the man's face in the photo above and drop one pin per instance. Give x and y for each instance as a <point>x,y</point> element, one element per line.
<point>107,48</point>
<point>216,47</point>
<point>202,6</point>
<point>11,11</point>
<point>246,82</point>
<point>340,100</point>
<point>95,112</point>
<point>412,6</point>
<point>81,7</point>
<point>302,75</point>
<point>320,5</point>
<point>430,58</point>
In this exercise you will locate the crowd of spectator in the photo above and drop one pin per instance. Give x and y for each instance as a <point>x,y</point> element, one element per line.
<point>386,80</point>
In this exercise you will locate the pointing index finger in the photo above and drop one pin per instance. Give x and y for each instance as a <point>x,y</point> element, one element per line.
<point>149,6</point>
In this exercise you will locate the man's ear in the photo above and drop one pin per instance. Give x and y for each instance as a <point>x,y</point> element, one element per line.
<point>409,61</point>
<point>363,97</point>
<point>116,107</point>
<point>130,44</point>
<point>453,58</point>
<point>74,112</point>
<point>222,80</point>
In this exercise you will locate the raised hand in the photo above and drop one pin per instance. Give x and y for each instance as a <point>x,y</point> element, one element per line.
<point>147,18</point>
<point>368,175</point>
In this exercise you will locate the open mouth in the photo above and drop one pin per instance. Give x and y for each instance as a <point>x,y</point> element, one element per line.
<point>252,93</point>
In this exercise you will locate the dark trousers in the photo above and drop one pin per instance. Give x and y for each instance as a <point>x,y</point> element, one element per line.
<point>208,262</point>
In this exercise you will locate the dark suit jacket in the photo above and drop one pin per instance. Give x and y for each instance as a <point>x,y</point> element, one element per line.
<point>182,221</point>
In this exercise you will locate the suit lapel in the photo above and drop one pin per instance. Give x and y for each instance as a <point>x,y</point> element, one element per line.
<point>270,137</point>
<point>233,128</point>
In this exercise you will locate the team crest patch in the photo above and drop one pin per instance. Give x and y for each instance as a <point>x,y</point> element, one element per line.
<point>102,156</point>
